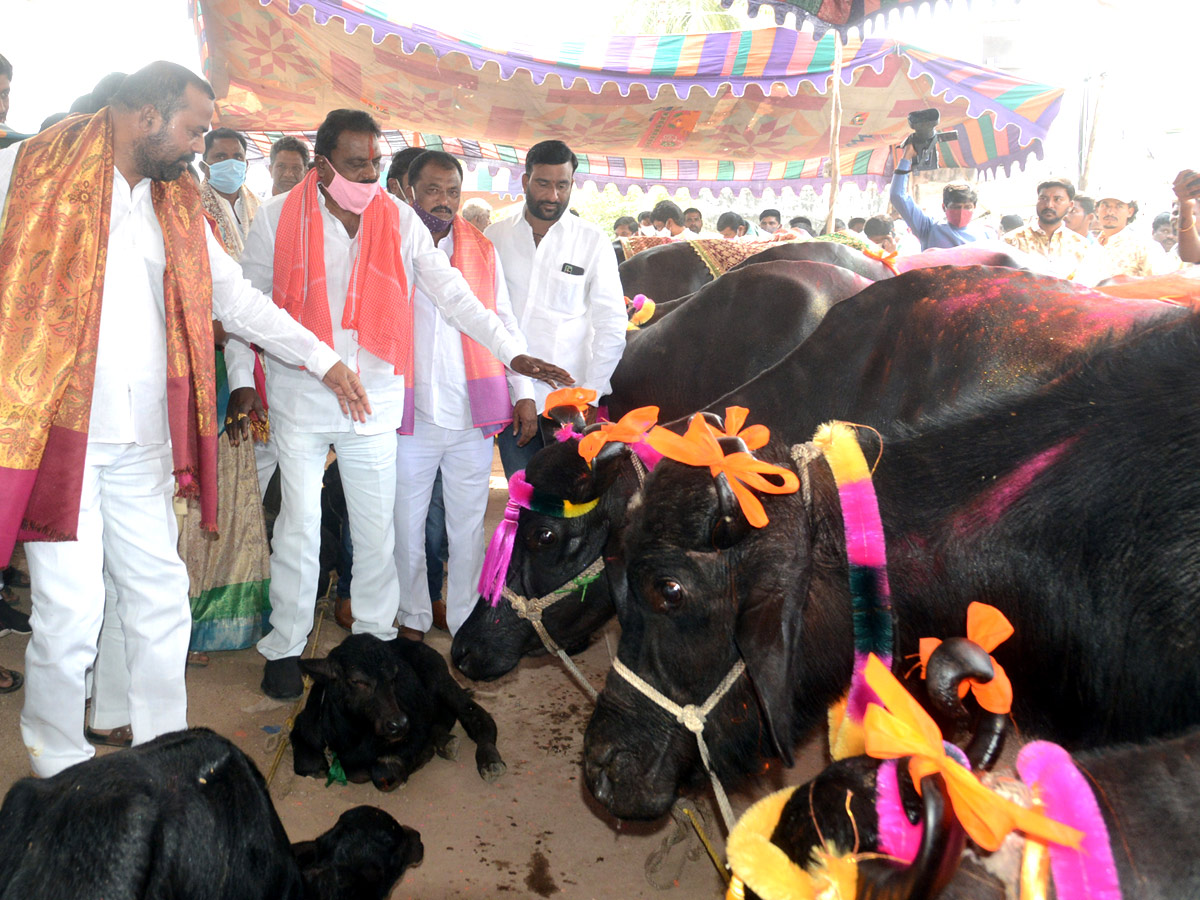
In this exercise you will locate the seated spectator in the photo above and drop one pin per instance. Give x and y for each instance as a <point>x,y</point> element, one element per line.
<point>801,222</point>
<point>770,220</point>
<point>693,220</point>
<point>397,176</point>
<point>478,212</point>
<point>289,164</point>
<point>958,204</point>
<point>1011,222</point>
<point>879,230</point>
<point>856,224</point>
<point>1162,229</point>
<point>731,226</point>
<point>646,224</point>
<point>625,227</point>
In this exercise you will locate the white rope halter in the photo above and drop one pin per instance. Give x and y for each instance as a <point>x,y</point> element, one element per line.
<point>692,718</point>
<point>531,608</point>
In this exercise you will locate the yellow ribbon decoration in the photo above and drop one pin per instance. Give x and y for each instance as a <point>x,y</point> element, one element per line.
<point>905,729</point>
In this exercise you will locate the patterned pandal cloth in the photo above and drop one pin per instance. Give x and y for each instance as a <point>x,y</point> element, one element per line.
<point>54,245</point>
<point>632,246</point>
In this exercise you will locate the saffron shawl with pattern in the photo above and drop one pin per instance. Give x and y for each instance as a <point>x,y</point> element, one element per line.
<point>487,384</point>
<point>54,243</point>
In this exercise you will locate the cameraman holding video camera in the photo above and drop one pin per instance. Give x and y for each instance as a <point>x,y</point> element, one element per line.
<point>958,203</point>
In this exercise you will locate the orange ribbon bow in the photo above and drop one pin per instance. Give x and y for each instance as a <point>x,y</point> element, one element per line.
<point>905,729</point>
<point>579,398</point>
<point>987,627</point>
<point>699,447</point>
<point>754,437</point>
<point>631,429</point>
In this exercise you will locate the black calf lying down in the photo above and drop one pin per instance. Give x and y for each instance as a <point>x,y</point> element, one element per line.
<point>186,816</point>
<point>384,708</point>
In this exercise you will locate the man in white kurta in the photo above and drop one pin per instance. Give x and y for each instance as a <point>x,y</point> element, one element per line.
<point>449,430</point>
<point>305,422</point>
<point>126,521</point>
<point>562,279</point>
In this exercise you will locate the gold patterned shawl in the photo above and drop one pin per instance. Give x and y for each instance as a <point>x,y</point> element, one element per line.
<point>54,242</point>
<point>229,230</point>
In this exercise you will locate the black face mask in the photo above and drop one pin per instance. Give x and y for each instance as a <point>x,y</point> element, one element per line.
<point>432,222</point>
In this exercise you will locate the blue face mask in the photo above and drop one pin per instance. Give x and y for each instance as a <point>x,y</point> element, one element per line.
<point>227,175</point>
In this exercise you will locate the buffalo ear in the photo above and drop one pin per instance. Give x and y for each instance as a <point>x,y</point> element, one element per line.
<point>767,634</point>
<point>557,418</point>
<point>322,671</point>
<point>607,465</point>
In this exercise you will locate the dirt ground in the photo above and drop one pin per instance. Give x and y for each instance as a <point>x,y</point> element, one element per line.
<point>536,832</point>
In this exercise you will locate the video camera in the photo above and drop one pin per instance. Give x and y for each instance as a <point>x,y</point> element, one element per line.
<point>925,138</point>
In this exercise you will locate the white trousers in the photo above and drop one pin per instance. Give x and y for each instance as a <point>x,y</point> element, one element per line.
<point>125,520</point>
<point>110,675</point>
<point>465,458</point>
<point>367,464</point>
<point>266,458</point>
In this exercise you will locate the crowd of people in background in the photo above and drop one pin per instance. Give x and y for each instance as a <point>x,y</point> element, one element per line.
<point>1087,238</point>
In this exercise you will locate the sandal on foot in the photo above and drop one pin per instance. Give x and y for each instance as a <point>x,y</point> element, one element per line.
<point>197,660</point>
<point>17,680</point>
<point>121,736</point>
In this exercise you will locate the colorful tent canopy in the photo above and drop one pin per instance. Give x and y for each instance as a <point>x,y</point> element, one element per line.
<point>841,15</point>
<point>736,109</point>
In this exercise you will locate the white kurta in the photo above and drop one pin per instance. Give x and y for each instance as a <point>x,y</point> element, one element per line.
<point>444,437</point>
<point>126,519</point>
<point>567,297</point>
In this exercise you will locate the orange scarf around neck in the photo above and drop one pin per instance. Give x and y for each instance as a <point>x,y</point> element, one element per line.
<point>54,243</point>
<point>378,302</point>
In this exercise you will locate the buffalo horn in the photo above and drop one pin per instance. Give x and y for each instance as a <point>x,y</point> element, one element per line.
<point>953,661</point>
<point>942,845</point>
<point>557,418</point>
<point>731,525</point>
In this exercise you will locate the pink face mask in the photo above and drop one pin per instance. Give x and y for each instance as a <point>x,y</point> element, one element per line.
<point>959,217</point>
<point>352,196</point>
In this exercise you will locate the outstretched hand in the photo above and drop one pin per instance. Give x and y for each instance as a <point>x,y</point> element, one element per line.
<point>541,370</point>
<point>352,396</point>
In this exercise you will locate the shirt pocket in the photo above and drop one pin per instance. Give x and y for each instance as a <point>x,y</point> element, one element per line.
<point>565,294</point>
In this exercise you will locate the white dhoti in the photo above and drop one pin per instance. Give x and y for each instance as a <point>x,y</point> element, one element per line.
<point>126,521</point>
<point>367,465</point>
<point>465,458</point>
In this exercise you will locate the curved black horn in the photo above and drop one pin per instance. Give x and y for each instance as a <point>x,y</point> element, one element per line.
<point>953,661</point>
<point>942,843</point>
<point>556,418</point>
<point>714,420</point>
<point>731,524</point>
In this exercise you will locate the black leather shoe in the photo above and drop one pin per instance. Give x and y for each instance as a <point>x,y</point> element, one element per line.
<point>282,678</point>
<point>13,621</point>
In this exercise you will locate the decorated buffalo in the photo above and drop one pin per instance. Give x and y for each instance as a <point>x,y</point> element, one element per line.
<point>761,312</point>
<point>1117,822</point>
<point>1070,506</point>
<point>891,353</point>
<point>679,268</point>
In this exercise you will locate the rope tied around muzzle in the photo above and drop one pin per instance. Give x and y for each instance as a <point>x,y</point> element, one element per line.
<point>692,718</point>
<point>531,608</point>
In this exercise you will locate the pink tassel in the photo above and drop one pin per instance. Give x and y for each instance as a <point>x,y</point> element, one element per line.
<point>1088,873</point>
<point>898,837</point>
<point>499,551</point>
<point>567,432</point>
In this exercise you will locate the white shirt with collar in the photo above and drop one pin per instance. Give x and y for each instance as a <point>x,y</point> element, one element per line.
<point>439,370</point>
<point>567,296</point>
<point>129,396</point>
<point>295,402</point>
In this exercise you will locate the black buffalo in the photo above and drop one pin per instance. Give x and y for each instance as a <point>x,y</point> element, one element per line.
<point>895,352</point>
<point>1070,506</point>
<point>185,816</point>
<point>384,708</point>
<point>760,313</point>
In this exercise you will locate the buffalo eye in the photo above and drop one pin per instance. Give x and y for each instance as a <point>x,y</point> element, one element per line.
<point>669,594</point>
<point>541,538</point>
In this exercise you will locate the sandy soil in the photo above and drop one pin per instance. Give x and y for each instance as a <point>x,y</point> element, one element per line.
<point>536,832</point>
